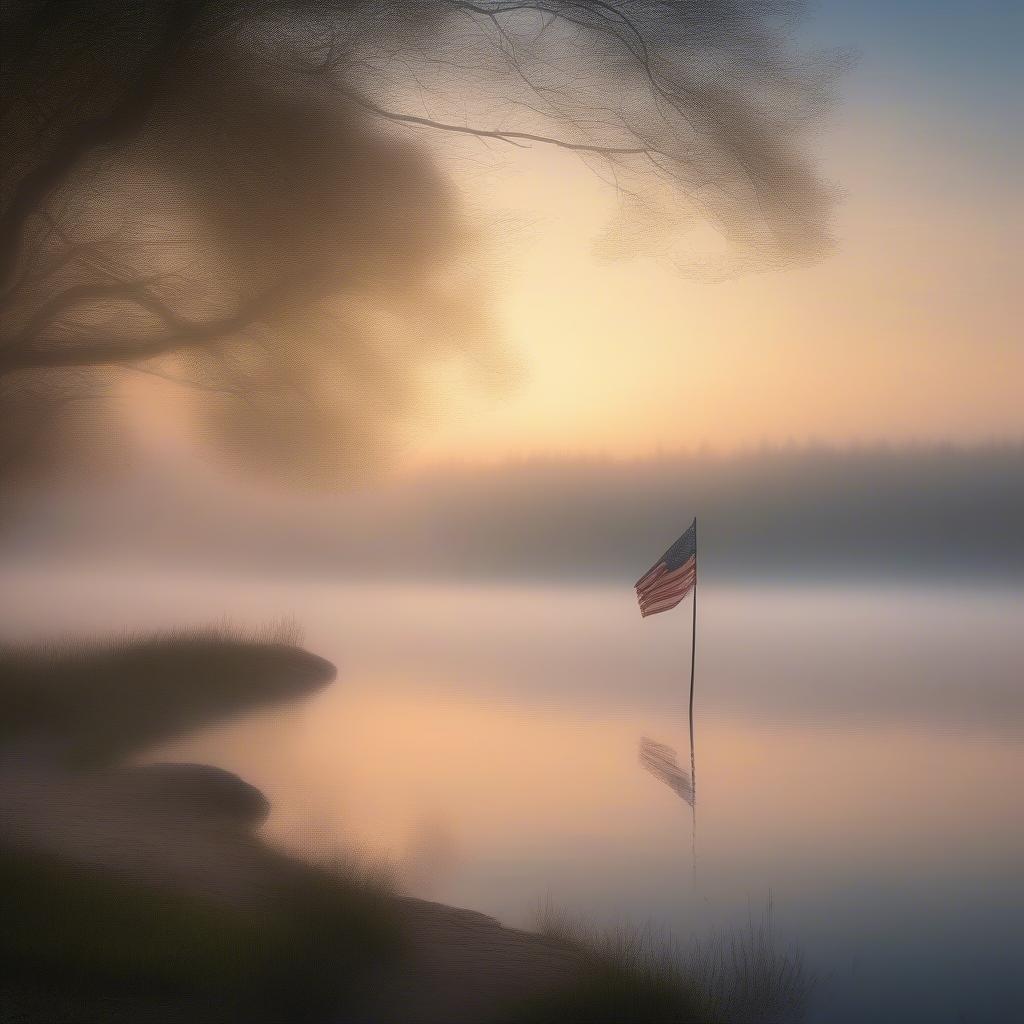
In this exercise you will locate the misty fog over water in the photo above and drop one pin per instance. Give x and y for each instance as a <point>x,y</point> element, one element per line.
<point>859,758</point>
<point>929,514</point>
<point>859,713</point>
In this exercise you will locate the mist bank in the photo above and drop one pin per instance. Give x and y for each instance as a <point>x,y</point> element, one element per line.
<point>923,513</point>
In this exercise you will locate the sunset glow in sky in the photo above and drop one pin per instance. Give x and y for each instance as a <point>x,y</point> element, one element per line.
<point>908,332</point>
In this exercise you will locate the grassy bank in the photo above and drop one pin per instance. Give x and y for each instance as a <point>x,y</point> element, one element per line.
<point>79,944</point>
<point>97,702</point>
<point>142,894</point>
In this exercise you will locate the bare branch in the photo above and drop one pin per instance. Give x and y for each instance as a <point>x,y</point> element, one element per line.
<point>184,334</point>
<point>122,122</point>
<point>511,137</point>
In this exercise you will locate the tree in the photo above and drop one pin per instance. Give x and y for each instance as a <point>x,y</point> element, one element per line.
<point>240,196</point>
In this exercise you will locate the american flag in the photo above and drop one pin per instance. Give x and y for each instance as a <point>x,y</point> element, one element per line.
<point>671,578</point>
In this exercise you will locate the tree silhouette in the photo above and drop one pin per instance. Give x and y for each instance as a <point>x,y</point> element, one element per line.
<point>241,197</point>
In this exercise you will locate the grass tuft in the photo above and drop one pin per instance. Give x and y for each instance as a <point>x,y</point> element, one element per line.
<point>746,976</point>
<point>639,975</point>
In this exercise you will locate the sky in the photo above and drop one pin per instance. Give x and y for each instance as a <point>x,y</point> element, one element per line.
<point>872,393</point>
<point>906,333</point>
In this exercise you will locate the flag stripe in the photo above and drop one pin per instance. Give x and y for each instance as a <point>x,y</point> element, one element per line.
<point>651,575</point>
<point>662,606</point>
<point>676,595</point>
<point>680,585</point>
<point>666,579</point>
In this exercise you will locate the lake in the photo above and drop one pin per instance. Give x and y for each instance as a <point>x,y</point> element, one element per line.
<point>859,759</point>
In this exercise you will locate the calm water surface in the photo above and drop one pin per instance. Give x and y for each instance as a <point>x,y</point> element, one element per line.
<point>859,759</point>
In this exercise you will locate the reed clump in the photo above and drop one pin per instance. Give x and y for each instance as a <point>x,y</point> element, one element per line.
<point>642,975</point>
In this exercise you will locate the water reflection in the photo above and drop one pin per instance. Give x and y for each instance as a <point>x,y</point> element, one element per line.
<point>661,761</point>
<point>484,739</point>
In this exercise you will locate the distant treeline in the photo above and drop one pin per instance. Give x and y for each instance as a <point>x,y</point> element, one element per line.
<point>929,513</point>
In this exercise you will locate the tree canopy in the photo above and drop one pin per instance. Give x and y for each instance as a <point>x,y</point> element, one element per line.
<point>243,196</point>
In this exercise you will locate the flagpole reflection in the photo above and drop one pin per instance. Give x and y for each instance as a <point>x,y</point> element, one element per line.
<point>662,762</point>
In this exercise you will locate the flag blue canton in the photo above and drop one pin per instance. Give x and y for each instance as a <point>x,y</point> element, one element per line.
<point>682,551</point>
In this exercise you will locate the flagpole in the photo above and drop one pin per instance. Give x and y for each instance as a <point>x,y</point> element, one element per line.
<point>693,641</point>
<point>693,656</point>
<point>693,758</point>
